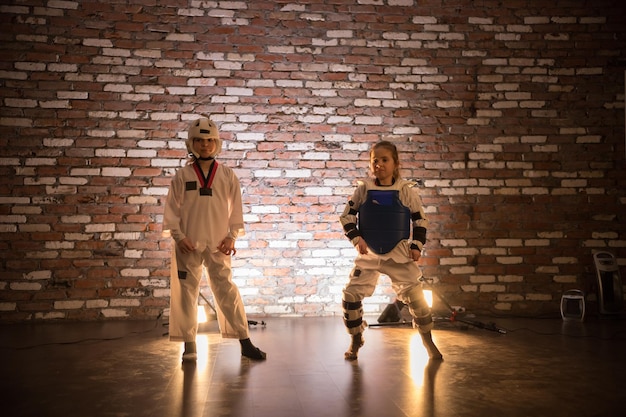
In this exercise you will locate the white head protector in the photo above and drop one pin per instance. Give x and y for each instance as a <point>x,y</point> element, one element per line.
<point>203,128</point>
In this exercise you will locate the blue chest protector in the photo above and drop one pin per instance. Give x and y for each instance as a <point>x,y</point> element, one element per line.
<point>384,220</point>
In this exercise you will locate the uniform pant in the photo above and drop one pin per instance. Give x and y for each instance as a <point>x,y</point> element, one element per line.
<point>186,273</point>
<point>404,278</point>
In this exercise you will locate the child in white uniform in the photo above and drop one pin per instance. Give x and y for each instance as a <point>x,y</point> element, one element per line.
<point>204,215</point>
<point>390,243</point>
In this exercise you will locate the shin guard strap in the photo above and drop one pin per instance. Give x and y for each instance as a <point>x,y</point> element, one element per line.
<point>348,305</point>
<point>353,315</point>
<point>423,324</point>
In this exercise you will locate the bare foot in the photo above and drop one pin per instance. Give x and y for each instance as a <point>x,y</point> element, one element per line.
<point>353,350</point>
<point>433,352</point>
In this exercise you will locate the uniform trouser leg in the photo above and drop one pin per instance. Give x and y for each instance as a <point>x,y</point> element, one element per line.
<point>231,313</point>
<point>405,282</point>
<point>186,272</point>
<point>422,316</point>
<point>362,283</point>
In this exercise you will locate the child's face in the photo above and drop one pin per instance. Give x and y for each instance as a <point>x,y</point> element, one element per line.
<point>382,165</point>
<point>204,147</point>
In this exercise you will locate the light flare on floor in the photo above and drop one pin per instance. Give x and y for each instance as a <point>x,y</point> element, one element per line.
<point>202,349</point>
<point>418,360</point>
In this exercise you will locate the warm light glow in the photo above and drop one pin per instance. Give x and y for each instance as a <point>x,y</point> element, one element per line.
<point>202,345</point>
<point>202,318</point>
<point>418,360</point>
<point>428,295</point>
<point>202,348</point>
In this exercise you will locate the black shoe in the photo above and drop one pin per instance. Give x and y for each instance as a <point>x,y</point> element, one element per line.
<point>255,354</point>
<point>250,351</point>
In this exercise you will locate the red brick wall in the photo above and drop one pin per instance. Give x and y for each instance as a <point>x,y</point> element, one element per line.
<point>510,113</point>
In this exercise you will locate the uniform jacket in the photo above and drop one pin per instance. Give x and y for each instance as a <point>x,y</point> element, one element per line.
<point>204,219</point>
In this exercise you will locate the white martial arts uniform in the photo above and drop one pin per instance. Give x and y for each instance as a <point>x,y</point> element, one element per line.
<point>206,220</point>
<point>397,264</point>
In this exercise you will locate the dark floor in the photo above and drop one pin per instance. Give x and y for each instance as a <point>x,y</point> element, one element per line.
<point>537,368</point>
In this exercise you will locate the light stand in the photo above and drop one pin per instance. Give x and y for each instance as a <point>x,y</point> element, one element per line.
<point>454,314</point>
<point>250,322</point>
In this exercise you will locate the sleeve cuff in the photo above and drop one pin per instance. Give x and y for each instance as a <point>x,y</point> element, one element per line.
<point>414,246</point>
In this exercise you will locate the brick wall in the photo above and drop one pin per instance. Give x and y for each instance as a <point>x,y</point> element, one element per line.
<point>511,114</point>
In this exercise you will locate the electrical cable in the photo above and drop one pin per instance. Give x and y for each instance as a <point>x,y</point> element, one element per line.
<point>616,336</point>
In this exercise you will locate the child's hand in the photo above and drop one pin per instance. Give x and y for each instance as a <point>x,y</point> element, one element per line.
<point>227,247</point>
<point>361,246</point>
<point>186,245</point>
<point>416,255</point>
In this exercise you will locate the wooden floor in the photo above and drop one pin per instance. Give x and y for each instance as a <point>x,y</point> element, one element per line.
<point>130,369</point>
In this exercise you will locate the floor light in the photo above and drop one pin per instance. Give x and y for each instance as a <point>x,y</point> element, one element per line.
<point>428,295</point>
<point>202,317</point>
